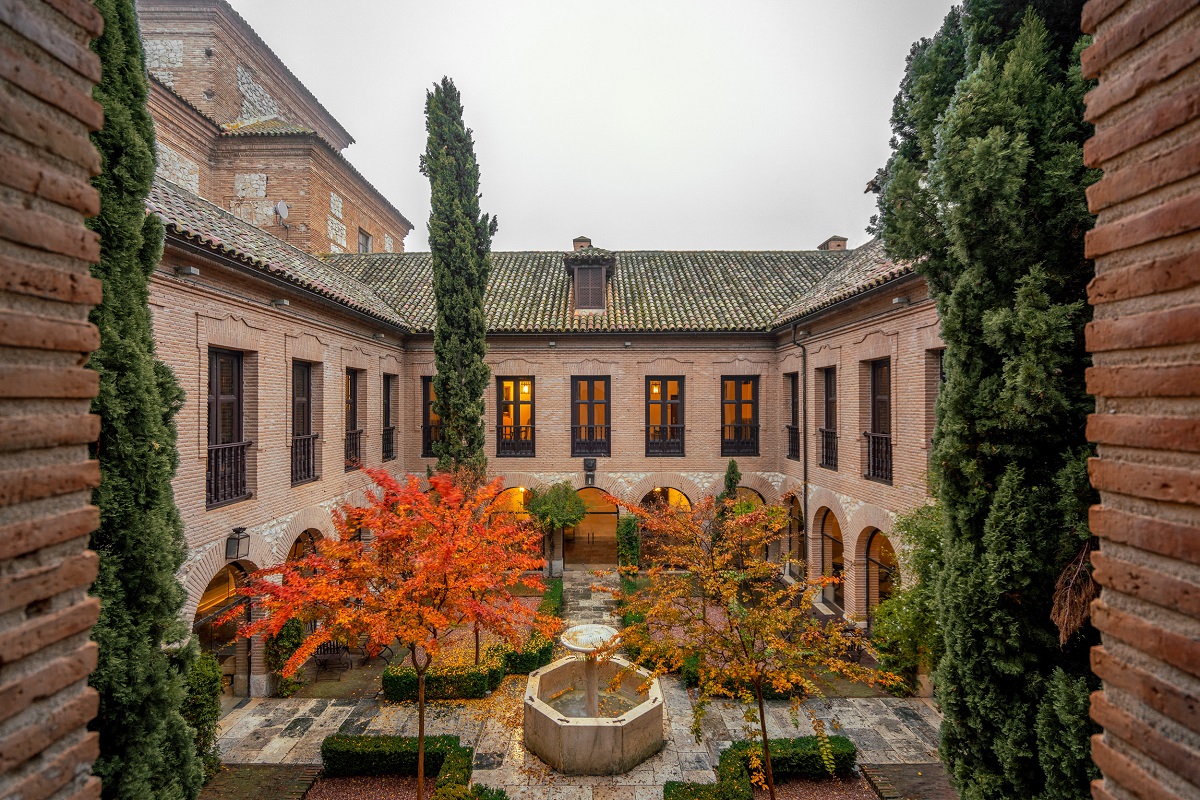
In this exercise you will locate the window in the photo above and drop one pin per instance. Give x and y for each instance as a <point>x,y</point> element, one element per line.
<point>225,478</point>
<point>514,417</point>
<point>353,423</point>
<point>879,438</point>
<point>589,288</point>
<point>828,430</point>
<point>793,426</point>
<point>664,415</point>
<point>589,418</point>
<point>389,426</point>
<point>364,241</point>
<point>431,423</point>
<point>304,462</point>
<point>739,416</point>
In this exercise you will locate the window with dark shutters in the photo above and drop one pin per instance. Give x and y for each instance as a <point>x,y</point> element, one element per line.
<point>589,287</point>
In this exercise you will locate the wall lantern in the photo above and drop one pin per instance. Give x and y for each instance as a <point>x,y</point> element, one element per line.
<point>589,472</point>
<point>237,546</point>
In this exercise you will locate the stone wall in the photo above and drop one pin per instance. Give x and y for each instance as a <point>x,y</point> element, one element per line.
<point>1145,341</point>
<point>46,159</point>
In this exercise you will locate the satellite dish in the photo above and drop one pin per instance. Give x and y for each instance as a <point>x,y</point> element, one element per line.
<point>281,208</point>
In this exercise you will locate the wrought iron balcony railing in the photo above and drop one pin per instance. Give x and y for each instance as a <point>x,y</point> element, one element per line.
<point>879,456</point>
<point>739,440</point>
<point>828,455</point>
<point>304,458</point>
<point>664,440</point>
<point>793,443</point>
<point>514,440</point>
<point>590,440</point>
<point>429,435</point>
<point>389,443</point>
<point>353,450</point>
<point>225,477</point>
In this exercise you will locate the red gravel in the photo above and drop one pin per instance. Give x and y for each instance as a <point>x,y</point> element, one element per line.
<point>829,789</point>
<point>374,787</point>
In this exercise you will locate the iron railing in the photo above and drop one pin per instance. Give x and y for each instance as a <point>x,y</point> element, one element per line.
<point>879,456</point>
<point>353,449</point>
<point>514,440</point>
<point>829,448</point>
<point>739,440</point>
<point>389,443</point>
<point>304,458</point>
<point>793,434</point>
<point>429,435</point>
<point>225,477</point>
<point>590,440</point>
<point>664,440</point>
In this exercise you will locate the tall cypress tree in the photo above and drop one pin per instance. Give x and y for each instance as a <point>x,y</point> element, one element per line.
<point>147,751</point>
<point>988,195</point>
<point>460,238</point>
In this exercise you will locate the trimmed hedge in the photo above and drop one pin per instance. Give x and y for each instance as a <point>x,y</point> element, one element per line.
<point>343,756</point>
<point>552,598</point>
<point>790,758</point>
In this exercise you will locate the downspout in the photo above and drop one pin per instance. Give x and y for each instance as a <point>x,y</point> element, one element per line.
<point>803,436</point>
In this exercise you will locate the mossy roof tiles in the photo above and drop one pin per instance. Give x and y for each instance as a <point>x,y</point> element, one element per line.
<point>863,268</point>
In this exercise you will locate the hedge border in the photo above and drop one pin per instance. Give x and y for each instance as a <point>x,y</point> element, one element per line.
<point>790,758</point>
<point>344,755</point>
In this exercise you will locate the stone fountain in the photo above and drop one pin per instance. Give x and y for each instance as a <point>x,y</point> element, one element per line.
<point>580,728</point>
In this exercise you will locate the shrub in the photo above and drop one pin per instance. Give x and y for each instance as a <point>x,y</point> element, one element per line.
<point>202,708</point>
<point>447,681</point>
<point>629,541</point>
<point>343,755</point>
<point>790,758</point>
<point>537,653</point>
<point>279,648</point>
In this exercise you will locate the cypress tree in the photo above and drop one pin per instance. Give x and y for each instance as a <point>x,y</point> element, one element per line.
<point>988,194</point>
<point>147,750</point>
<point>460,238</point>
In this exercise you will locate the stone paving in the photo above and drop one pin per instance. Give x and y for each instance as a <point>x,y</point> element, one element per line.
<point>290,731</point>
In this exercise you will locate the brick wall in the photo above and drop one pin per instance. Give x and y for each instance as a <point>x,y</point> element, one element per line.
<point>847,339</point>
<point>1145,341</point>
<point>184,140</point>
<point>46,159</point>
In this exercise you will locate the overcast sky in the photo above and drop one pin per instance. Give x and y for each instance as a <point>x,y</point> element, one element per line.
<point>646,124</point>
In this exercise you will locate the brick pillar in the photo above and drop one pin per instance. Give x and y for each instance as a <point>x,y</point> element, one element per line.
<point>241,673</point>
<point>260,677</point>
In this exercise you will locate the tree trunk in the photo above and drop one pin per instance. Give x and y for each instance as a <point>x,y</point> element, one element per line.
<point>477,644</point>
<point>421,736</point>
<point>762,721</point>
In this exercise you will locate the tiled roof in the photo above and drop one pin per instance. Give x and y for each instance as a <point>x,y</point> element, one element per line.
<point>650,290</point>
<point>863,268</point>
<point>209,226</point>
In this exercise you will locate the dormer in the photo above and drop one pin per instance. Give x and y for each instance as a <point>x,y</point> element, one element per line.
<point>589,268</point>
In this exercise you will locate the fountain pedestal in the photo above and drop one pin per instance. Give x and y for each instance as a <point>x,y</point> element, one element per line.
<point>606,731</point>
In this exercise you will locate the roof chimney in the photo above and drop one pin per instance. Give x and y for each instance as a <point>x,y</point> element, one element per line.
<point>833,243</point>
<point>580,242</point>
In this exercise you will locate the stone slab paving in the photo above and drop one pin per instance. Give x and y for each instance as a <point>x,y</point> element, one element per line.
<point>290,731</point>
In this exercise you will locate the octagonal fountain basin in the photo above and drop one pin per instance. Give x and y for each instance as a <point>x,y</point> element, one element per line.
<point>626,729</point>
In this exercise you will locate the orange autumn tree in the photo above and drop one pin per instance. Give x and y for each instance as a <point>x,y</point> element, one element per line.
<point>439,563</point>
<point>710,593</point>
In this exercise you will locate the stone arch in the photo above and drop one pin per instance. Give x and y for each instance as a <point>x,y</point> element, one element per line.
<point>513,480</point>
<point>872,544</point>
<point>315,517</point>
<point>211,561</point>
<point>766,490</point>
<point>675,480</point>
<point>828,551</point>
<point>818,497</point>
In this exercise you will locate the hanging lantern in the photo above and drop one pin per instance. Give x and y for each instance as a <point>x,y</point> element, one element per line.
<point>237,546</point>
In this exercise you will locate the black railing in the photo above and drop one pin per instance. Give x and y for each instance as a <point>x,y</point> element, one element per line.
<point>793,433</point>
<point>514,440</point>
<point>589,440</point>
<point>739,440</point>
<point>879,456</point>
<point>664,440</point>
<point>828,450</point>
<point>304,458</point>
<point>225,478</point>
<point>389,443</point>
<point>353,450</point>
<point>429,435</point>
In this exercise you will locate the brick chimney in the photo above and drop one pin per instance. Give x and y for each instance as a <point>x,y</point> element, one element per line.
<point>581,242</point>
<point>833,243</point>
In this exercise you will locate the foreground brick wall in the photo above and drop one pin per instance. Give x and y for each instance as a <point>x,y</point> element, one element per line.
<point>1146,377</point>
<point>46,111</point>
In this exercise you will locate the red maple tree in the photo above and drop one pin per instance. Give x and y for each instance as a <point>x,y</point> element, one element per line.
<point>440,564</point>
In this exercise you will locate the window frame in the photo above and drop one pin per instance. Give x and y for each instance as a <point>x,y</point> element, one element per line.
<point>516,404</point>
<point>427,416</point>
<point>665,404</point>
<point>878,421</point>
<point>389,424</point>
<point>590,404</point>
<point>364,237</point>
<point>734,447</point>
<point>353,390</point>
<point>215,399</point>
<point>595,294</point>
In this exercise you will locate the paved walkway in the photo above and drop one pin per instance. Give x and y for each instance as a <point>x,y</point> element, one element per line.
<point>290,731</point>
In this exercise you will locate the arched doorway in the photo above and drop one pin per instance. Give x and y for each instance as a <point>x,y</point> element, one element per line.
<point>668,496</point>
<point>305,544</point>
<point>232,653</point>
<point>512,501</point>
<point>882,570</point>
<point>833,562</point>
<point>593,542</point>
<point>797,538</point>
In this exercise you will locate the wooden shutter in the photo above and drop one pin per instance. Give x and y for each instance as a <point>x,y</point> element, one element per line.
<point>589,287</point>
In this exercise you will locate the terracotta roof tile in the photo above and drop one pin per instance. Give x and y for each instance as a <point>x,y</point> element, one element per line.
<point>865,268</point>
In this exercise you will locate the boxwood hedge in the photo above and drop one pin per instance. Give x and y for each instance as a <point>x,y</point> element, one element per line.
<point>790,758</point>
<point>344,755</point>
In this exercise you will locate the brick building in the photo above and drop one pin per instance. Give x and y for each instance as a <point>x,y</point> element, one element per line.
<point>639,374</point>
<point>1145,341</point>
<point>46,160</point>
